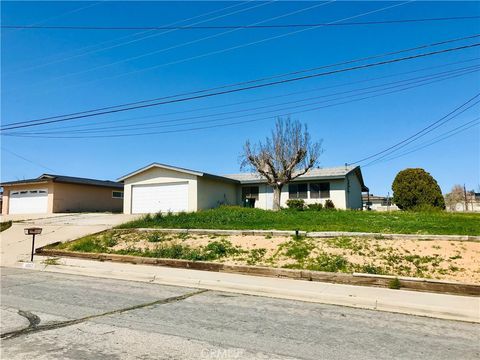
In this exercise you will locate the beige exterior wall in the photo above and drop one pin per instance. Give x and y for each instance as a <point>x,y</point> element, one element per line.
<point>157,175</point>
<point>354,192</point>
<point>211,193</point>
<point>70,197</point>
<point>8,188</point>
<point>83,198</point>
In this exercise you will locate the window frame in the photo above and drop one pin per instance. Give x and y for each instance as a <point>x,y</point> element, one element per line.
<point>320,193</point>
<point>119,192</point>
<point>248,194</point>
<point>297,192</point>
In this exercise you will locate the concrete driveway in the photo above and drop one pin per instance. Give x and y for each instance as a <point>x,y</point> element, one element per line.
<point>15,246</point>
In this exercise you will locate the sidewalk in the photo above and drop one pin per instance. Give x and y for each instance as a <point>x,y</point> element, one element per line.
<point>464,308</point>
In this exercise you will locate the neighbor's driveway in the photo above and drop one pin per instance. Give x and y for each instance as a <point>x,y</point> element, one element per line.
<point>16,246</point>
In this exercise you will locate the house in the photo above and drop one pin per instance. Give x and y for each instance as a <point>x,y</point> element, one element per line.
<point>378,203</point>
<point>161,188</point>
<point>57,193</point>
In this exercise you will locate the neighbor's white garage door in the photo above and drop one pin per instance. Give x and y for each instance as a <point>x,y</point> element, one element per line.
<point>28,202</point>
<point>159,197</point>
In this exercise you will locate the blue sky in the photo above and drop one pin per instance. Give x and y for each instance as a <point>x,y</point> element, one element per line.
<point>51,72</point>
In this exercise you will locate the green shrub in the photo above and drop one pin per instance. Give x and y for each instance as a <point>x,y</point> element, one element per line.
<point>329,204</point>
<point>315,206</point>
<point>394,284</point>
<point>296,204</point>
<point>417,189</point>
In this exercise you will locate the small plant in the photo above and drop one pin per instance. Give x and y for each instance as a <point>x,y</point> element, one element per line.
<point>268,236</point>
<point>329,262</point>
<point>51,261</point>
<point>394,284</point>
<point>315,206</point>
<point>329,204</point>
<point>256,255</point>
<point>182,236</point>
<point>298,248</point>
<point>155,237</point>
<point>296,204</point>
<point>109,240</point>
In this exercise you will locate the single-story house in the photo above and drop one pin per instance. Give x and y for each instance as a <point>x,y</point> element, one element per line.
<point>162,188</point>
<point>378,203</point>
<point>57,194</point>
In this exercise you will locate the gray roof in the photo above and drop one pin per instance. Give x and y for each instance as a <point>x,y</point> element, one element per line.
<point>334,172</point>
<point>66,179</point>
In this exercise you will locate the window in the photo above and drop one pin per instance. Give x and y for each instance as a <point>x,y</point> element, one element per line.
<point>319,190</point>
<point>117,194</point>
<point>250,192</point>
<point>297,191</point>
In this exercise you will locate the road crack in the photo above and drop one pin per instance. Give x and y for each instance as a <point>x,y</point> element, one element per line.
<point>33,319</point>
<point>60,324</point>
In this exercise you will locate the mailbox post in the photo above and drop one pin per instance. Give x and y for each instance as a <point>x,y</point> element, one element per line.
<point>33,231</point>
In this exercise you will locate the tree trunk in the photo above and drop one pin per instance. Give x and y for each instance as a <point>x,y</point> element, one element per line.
<point>277,192</point>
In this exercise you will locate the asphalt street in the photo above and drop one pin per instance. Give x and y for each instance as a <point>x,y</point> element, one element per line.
<point>59,316</point>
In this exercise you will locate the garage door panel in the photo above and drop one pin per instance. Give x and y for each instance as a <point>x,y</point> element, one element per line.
<point>159,198</point>
<point>28,201</point>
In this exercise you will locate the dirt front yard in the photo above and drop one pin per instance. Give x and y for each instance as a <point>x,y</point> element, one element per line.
<point>434,259</point>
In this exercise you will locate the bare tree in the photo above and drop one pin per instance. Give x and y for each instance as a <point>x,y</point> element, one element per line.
<point>454,197</point>
<point>286,155</point>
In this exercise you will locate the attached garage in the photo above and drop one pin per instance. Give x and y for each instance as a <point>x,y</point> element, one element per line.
<point>159,198</point>
<point>29,201</point>
<point>163,188</point>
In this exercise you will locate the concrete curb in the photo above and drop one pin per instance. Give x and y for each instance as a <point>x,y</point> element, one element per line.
<point>338,278</point>
<point>315,234</point>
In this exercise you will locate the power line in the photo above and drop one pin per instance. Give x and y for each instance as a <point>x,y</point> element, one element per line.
<point>433,141</point>
<point>276,96</point>
<point>210,126</point>
<point>417,81</point>
<point>175,46</point>
<point>371,57</point>
<point>142,38</point>
<point>25,159</point>
<point>221,27</point>
<point>37,123</point>
<point>216,52</point>
<point>421,132</point>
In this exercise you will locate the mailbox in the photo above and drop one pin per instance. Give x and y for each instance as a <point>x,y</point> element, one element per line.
<point>33,231</point>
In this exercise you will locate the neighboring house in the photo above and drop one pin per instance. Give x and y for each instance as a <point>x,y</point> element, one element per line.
<point>56,194</point>
<point>470,203</point>
<point>378,203</point>
<point>158,187</point>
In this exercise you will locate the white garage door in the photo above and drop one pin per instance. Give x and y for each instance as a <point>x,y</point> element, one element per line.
<point>159,197</point>
<point>28,201</point>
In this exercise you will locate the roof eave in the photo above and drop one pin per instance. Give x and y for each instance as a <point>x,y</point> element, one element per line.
<point>162,166</point>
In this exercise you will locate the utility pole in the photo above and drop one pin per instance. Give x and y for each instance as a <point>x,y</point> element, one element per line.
<point>465,196</point>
